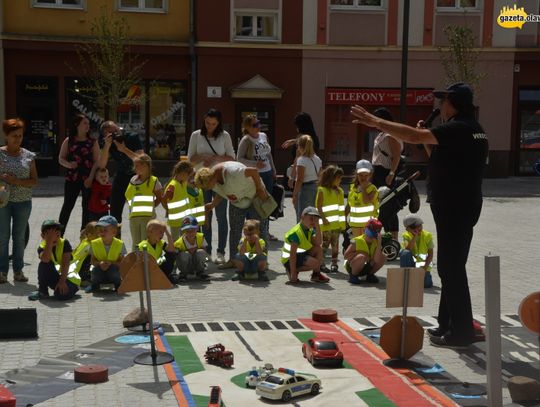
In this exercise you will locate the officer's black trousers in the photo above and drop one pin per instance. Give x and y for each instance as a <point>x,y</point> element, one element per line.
<point>454,235</point>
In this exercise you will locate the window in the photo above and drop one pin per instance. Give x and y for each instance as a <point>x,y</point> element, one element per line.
<point>451,5</point>
<point>256,26</point>
<point>73,4</point>
<point>154,6</point>
<point>357,4</point>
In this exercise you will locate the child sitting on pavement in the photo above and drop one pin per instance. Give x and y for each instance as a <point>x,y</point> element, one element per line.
<point>163,252</point>
<point>100,195</point>
<point>417,247</point>
<point>107,252</point>
<point>302,250</point>
<point>81,254</point>
<point>364,256</point>
<point>192,258</point>
<point>53,269</point>
<point>251,259</point>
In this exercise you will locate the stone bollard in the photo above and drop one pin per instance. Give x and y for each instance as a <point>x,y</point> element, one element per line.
<point>523,389</point>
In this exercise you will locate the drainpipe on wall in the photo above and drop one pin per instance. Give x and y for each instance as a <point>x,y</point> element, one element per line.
<point>193,64</point>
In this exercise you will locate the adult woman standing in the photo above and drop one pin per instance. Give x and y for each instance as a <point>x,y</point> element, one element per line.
<point>239,184</point>
<point>79,153</point>
<point>385,160</point>
<point>308,166</point>
<point>209,146</point>
<point>255,151</point>
<point>18,174</point>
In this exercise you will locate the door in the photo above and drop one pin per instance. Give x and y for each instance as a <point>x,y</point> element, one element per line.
<point>265,114</point>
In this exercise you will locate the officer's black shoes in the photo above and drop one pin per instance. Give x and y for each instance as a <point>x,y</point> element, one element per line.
<point>446,341</point>
<point>414,202</point>
<point>435,332</point>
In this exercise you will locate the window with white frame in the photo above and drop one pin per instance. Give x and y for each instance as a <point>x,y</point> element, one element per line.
<point>73,4</point>
<point>159,6</point>
<point>357,4</point>
<point>457,5</point>
<point>256,26</point>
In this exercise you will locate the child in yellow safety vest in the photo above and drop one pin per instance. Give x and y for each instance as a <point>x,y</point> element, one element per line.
<point>417,247</point>
<point>143,194</point>
<point>162,251</point>
<point>192,257</point>
<point>107,252</point>
<point>176,199</point>
<point>53,269</point>
<point>81,254</point>
<point>251,259</point>
<point>363,198</point>
<point>364,256</point>
<point>331,206</point>
<point>302,250</point>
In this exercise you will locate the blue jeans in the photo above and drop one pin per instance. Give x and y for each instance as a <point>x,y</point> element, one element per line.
<point>250,266</point>
<point>268,180</point>
<point>20,213</point>
<point>223,226</point>
<point>406,258</point>
<point>111,275</point>
<point>306,197</point>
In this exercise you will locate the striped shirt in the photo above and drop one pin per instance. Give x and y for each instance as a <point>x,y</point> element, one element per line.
<point>382,151</point>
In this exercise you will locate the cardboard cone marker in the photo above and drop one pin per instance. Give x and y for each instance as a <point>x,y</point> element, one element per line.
<point>134,278</point>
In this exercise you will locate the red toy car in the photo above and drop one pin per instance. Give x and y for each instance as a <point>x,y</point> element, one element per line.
<point>215,397</point>
<point>322,351</point>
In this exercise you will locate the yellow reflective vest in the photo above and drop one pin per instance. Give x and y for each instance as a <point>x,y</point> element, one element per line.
<point>178,207</point>
<point>140,198</point>
<point>156,252</point>
<point>362,246</point>
<point>360,211</point>
<point>57,253</point>
<point>181,245</point>
<point>251,252</point>
<point>305,242</point>
<point>333,208</point>
<point>100,253</point>
<point>196,203</point>
<point>423,243</point>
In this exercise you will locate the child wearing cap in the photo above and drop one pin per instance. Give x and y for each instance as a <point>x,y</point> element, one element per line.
<point>331,206</point>
<point>53,270</point>
<point>363,198</point>
<point>107,252</point>
<point>302,250</point>
<point>364,256</point>
<point>417,247</point>
<point>192,257</point>
<point>163,252</point>
<point>251,259</point>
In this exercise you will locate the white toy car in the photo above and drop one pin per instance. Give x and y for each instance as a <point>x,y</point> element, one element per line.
<point>286,384</point>
<point>254,376</point>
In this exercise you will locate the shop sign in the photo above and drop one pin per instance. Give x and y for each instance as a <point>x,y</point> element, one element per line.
<point>379,97</point>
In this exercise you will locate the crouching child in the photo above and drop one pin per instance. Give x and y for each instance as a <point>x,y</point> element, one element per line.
<point>107,253</point>
<point>163,252</point>
<point>192,257</point>
<point>417,247</point>
<point>364,255</point>
<point>53,269</point>
<point>251,259</point>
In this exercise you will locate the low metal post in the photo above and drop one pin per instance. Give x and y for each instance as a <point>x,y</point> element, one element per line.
<point>493,329</point>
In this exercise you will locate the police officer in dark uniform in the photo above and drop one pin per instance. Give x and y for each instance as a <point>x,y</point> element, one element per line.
<point>459,149</point>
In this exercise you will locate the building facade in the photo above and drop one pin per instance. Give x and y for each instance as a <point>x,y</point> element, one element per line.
<point>275,58</point>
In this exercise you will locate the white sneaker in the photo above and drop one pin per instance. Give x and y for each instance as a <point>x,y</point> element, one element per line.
<point>220,258</point>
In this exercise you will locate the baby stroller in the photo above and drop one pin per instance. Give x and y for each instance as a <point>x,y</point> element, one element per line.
<point>392,200</point>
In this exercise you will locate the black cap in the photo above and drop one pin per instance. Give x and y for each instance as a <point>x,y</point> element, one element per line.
<point>460,91</point>
<point>51,224</point>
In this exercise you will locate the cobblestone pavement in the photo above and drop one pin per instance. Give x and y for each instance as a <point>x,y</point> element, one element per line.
<point>508,228</point>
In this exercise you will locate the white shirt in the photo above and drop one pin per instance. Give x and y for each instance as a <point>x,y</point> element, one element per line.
<point>382,153</point>
<point>261,152</point>
<point>237,188</point>
<point>198,145</point>
<point>312,166</point>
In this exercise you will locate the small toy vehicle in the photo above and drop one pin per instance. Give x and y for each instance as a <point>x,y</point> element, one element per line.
<point>215,397</point>
<point>319,351</point>
<point>254,376</point>
<point>286,384</point>
<point>217,355</point>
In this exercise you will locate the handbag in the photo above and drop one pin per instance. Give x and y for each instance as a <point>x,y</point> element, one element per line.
<point>4,194</point>
<point>264,207</point>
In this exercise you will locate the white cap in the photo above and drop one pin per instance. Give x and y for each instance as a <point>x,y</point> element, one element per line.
<point>364,166</point>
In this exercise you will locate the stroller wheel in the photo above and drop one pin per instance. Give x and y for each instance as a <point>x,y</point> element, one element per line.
<point>391,249</point>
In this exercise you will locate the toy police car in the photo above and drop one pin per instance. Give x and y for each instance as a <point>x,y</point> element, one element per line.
<point>286,384</point>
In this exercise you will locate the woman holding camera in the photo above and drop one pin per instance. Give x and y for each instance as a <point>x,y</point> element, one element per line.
<point>79,153</point>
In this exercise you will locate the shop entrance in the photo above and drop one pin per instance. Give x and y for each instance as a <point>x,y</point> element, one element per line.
<point>265,114</point>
